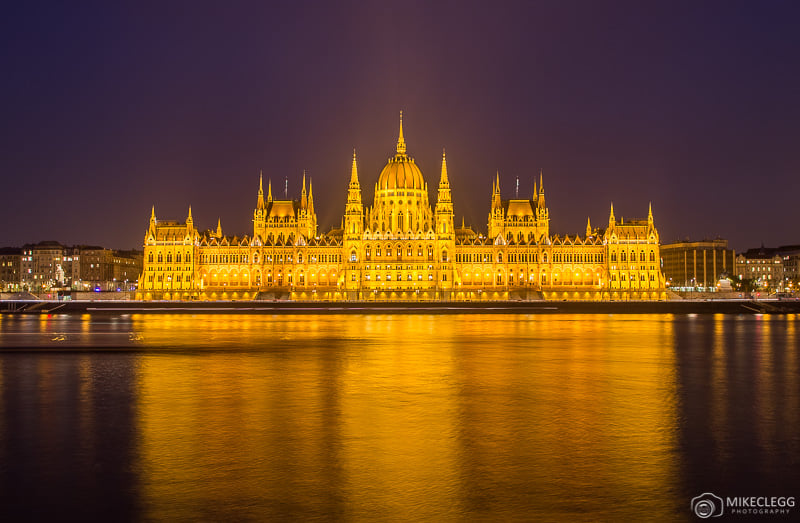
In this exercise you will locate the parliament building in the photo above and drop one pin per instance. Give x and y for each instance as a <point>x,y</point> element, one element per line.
<point>401,248</point>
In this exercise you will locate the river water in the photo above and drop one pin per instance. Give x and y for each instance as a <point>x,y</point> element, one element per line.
<point>394,417</point>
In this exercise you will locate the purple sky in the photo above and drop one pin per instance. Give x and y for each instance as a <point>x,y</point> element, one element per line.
<point>108,109</point>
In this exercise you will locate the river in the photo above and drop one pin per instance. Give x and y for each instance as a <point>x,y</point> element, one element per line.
<point>394,417</point>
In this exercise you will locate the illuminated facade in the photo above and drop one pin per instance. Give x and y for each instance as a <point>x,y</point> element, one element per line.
<point>401,248</point>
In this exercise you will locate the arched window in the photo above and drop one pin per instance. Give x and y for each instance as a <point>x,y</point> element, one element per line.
<point>160,258</point>
<point>300,260</point>
<point>353,255</point>
<point>499,257</point>
<point>178,258</point>
<point>444,256</point>
<point>150,258</point>
<point>652,256</point>
<point>613,256</point>
<point>624,256</point>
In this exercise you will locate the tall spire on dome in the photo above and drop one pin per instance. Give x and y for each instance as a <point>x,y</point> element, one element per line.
<point>650,214</point>
<point>401,143</point>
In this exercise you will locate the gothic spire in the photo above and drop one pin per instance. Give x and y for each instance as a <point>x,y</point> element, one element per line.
<point>310,197</point>
<point>444,169</point>
<point>354,170</point>
<point>269,190</point>
<point>260,204</point>
<point>303,194</point>
<point>588,227</point>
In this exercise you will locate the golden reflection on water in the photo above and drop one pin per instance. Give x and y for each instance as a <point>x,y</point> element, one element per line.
<point>398,417</point>
<point>434,416</point>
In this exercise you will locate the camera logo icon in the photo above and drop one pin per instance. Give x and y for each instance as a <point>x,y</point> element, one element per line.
<point>707,505</point>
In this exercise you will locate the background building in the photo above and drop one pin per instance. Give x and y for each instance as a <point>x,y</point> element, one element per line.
<point>49,265</point>
<point>771,269</point>
<point>10,259</point>
<point>697,265</point>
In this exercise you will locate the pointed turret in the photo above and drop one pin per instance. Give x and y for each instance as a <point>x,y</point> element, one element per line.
<point>541,200</point>
<point>269,190</point>
<point>303,194</point>
<point>260,203</point>
<point>588,227</point>
<point>496,201</point>
<point>310,198</point>
<point>401,143</point>
<point>354,170</point>
<point>219,228</point>
<point>353,222</point>
<point>650,214</point>
<point>189,219</point>
<point>444,203</point>
<point>611,219</point>
<point>153,219</point>
<point>444,169</point>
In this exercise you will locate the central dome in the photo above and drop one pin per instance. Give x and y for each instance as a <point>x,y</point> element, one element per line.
<point>401,172</point>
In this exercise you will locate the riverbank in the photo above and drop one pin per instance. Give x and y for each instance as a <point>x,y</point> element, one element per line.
<point>287,307</point>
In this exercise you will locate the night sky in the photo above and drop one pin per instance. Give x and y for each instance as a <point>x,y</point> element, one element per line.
<point>109,109</point>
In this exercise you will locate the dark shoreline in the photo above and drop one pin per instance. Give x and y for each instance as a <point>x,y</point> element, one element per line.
<point>496,307</point>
